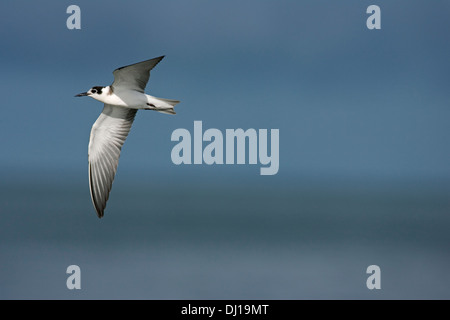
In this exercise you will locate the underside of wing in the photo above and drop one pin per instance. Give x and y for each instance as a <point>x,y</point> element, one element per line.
<point>107,137</point>
<point>135,76</point>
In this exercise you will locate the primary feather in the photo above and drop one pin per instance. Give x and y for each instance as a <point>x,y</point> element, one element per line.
<point>108,135</point>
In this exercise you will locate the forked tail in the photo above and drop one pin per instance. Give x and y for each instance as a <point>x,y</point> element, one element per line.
<point>163,105</point>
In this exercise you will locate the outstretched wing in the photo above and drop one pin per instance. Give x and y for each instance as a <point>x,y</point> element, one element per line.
<point>107,137</point>
<point>135,76</point>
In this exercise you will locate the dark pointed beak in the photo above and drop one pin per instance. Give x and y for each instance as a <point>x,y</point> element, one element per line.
<point>82,94</point>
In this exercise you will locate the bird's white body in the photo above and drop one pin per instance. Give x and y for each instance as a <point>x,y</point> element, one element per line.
<point>131,99</point>
<point>122,100</point>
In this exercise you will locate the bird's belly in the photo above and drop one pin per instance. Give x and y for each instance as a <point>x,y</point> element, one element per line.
<point>132,99</point>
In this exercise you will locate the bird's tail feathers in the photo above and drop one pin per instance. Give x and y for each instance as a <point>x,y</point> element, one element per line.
<point>172,102</point>
<point>165,107</point>
<point>167,111</point>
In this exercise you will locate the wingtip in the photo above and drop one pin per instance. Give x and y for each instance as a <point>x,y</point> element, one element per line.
<point>99,214</point>
<point>98,210</point>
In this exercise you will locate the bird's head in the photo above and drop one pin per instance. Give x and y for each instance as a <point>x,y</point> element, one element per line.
<point>95,92</point>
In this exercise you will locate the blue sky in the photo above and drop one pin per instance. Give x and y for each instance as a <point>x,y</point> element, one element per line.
<point>348,101</point>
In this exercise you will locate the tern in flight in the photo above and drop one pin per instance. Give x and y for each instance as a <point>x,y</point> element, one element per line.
<point>122,100</point>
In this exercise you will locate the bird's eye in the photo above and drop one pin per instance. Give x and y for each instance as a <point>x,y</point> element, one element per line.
<point>94,91</point>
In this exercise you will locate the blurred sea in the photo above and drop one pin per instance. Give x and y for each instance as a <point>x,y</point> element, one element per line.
<point>173,240</point>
